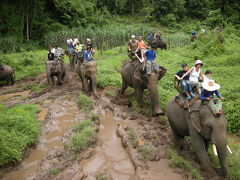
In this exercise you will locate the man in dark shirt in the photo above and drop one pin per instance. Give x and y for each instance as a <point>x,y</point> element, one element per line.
<point>185,83</point>
<point>50,56</point>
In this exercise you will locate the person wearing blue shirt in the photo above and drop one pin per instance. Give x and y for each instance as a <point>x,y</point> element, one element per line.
<point>210,88</point>
<point>150,56</point>
<point>88,56</point>
<point>70,47</point>
<point>194,32</point>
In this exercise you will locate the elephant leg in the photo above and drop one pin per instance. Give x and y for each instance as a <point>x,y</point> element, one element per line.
<point>139,95</point>
<point>94,85</point>
<point>52,80</point>
<point>85,84</point>
<point>178,138</point>
<point>60,78</point>
<point>123,88</point>
<point>199,148</point>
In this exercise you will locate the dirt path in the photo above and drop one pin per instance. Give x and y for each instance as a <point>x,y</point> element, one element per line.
<point>109,157</point>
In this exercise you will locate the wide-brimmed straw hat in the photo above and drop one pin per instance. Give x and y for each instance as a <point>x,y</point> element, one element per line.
<point>198,62</point>
<point>133,36</point>
<point>210,85</point>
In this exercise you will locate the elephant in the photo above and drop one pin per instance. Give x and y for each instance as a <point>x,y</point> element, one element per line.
<point>7,74</point>
<point>55,68</point>
<point>193,37</point>
<point>159,43</point>
<point>134,75</point>
<point>87,73</point>
<point>203,127</point>
<point>72,59</point>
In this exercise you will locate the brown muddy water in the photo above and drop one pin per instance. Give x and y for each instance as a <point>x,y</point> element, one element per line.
<point>62,116</point>
<point>111,156</point>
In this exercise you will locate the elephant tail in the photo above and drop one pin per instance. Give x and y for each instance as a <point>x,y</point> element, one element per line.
<point>13,77</point>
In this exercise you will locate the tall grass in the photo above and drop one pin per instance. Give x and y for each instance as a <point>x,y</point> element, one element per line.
<point>103,38</point>
<point>18,129</point>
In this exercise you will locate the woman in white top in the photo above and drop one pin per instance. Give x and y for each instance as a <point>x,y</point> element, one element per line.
<point>195,74</point>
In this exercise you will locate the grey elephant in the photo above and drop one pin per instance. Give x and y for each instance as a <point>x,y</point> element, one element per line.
<point>203,127</point>
<point>134,75</point>
<point>87,73</point>
<point>7,74</point>
<point>55,68</point>
<point>159,43</point>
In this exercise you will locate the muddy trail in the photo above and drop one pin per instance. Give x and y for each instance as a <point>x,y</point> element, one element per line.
<point>113,156</point>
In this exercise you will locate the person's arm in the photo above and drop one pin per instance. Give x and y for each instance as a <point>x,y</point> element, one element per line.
<point>177,77</point>
<point>188,72</point>
<point>201,76</point>
<point>218,94</point>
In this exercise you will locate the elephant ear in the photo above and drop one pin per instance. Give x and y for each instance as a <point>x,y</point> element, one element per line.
<point>138,75</point>
<point>194,117</point>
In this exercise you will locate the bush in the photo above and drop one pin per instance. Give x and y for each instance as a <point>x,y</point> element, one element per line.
<point>82,140</point>
<point>84,102</point>
<point>80,126</point>
<point>18,129</point>
<point>215,18</point>
<point>169,20</point>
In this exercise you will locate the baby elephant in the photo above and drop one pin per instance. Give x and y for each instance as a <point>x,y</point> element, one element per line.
<point>55,68</point>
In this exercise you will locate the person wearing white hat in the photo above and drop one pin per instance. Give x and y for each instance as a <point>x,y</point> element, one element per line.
<point>207,96</point>
<point>132,47</point>
<point>195,75</point>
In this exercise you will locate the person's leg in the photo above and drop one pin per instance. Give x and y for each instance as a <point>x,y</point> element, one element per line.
<point>212,106</point>
<point>156,67</point>
<point>218,104</point>
<point>149,67</point>
<point>189,86</point>
<point>185,89</point>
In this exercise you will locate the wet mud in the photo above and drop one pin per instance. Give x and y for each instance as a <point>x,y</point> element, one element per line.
<point>111,155</point>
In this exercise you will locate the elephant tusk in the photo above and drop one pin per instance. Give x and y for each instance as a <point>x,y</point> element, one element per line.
<point>215,150</point>
<point>228,148</point>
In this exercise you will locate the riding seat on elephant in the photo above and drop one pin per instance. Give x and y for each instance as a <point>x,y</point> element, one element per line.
<point>134,74</point>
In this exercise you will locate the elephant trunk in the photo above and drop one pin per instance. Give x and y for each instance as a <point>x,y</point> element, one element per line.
<point>94,85</point>
<point>222,155</point>
<point>156,109</point>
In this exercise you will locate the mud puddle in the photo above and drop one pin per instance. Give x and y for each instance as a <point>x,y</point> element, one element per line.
<point>111,157</point>
<point>15,97</point>
<point>63,114</point>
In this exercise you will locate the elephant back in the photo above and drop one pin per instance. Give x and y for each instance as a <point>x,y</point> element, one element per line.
<point>7,71</point>
<point>89,66</point>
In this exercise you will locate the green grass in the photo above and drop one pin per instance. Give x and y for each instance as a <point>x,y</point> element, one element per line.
<point>18,129</point>
<point>145,152</point>
<point>179,161</point>
<point>82,125</point>
<point>25,64</point>
<point>132,137</point>
<point>55,171</point>
<point>102,176</point>
<point>82,140</point>
<point>84,102</point>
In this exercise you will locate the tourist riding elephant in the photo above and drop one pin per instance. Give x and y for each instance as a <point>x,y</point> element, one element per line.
<point>7,74</point>
<point>72,59</point>
<point>160,43</point>
<point>87,73</point>
<point>203,127</point>
<point>134,75</point>
<point>55,68</point>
